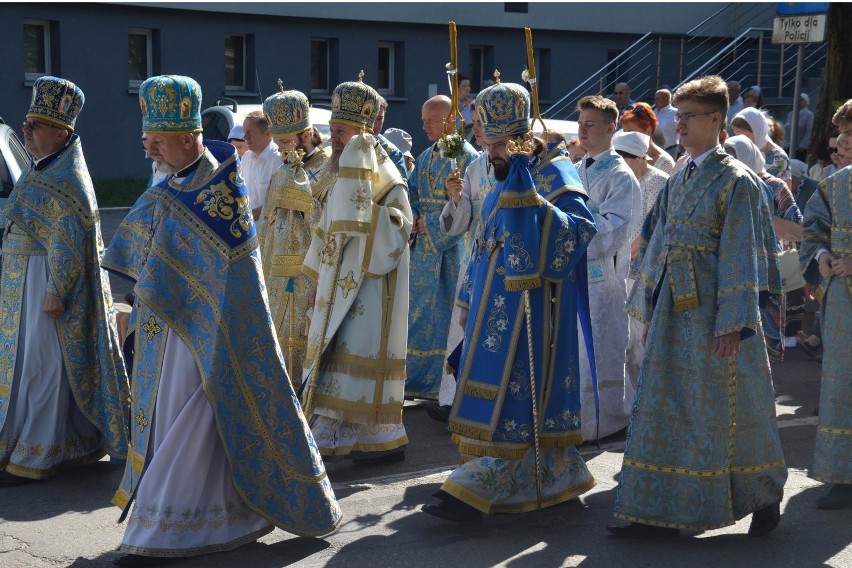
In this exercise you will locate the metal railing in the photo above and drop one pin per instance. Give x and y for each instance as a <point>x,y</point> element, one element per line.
<point>657,60</point>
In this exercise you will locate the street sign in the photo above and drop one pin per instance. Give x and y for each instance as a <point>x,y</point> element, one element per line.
<point>799,29</point>
<point>796,8</point>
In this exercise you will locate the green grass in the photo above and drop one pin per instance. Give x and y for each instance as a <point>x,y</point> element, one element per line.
<point>121,192</point>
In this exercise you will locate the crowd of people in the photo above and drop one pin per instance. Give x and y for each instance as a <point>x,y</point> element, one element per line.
<point>291,292</point>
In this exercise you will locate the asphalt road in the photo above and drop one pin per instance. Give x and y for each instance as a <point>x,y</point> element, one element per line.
<point>68,521</point>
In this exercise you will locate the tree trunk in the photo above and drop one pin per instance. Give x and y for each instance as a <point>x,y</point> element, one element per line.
<point>837,87</point>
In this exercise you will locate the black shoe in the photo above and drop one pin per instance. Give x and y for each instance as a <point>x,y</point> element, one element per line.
<point>639,530</point>
<point>439,413</point>
<point>765,520</point>
<point>136,560</point>
<point>380,460</point>
<point>454,510</point>
<point>840,497</point>
<point>9,480</point>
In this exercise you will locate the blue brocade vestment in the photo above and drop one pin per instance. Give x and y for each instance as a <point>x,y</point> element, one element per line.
<point>192,251</point>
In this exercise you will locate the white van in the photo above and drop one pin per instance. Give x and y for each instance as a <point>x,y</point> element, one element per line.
<point>218,120</point>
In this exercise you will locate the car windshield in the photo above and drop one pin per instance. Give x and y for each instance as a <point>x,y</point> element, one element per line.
<point>15,160</point>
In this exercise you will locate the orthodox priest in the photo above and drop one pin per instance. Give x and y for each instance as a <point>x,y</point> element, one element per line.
<point>287,220</point>
<point>220,449</point>
<point>519,384</point>
<point>63,386</point>
<point>354,372</point>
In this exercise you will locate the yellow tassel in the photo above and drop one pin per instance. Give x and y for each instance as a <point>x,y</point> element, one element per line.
<point>517,200</point>
<point>520,284</point>
<point>480,392</point>
<point>469,431</point>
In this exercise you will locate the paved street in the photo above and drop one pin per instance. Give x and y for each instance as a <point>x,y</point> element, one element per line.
<point>68,521</point>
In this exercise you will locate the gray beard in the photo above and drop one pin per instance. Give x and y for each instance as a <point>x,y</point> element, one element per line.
<point>166,169</point>
<point>334,162</point>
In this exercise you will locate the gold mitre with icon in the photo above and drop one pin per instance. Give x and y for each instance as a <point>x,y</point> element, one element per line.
<point>57,101</point>
<point>355,103</point>
<point>170,103</point>
<point>288,112</point>
<point>504,109</point>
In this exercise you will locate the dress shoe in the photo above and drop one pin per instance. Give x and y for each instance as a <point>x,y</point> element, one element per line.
<point>395,457</point>
<point>840,497</point>
<point>9,480</point>
<point>135,560</point>
<point>639,530</point>
<point>765,520</point>
<point>439,413</point>
<point>454,510</point>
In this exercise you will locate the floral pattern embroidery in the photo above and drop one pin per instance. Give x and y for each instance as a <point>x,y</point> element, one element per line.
<point>498,323</point>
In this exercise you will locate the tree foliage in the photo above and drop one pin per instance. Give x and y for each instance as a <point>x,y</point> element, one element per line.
<point>837,86</point>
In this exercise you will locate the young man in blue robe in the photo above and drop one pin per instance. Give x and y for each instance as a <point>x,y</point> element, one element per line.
<point>703,448</point>
<point>826,257</point>
<point>517,367</point>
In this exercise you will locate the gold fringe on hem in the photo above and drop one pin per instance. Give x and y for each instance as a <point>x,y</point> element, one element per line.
<point>478,433</point>
<point>370,369</point>
<point>359,413</point>
<point>664,524</point>
<point>488,392</point>
<point>185,552</point>
<point>41,474</point>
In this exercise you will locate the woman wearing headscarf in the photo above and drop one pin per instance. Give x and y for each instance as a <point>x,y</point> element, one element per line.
<point>639,117</point>
<point>754,124</point>
<point>788,227</point>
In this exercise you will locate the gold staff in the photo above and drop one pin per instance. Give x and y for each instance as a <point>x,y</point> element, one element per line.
<point>529,77</point>
<point>452,71</point>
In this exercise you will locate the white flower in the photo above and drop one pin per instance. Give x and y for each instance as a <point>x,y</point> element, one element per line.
<point>502,324</point>
<point>499,301</point>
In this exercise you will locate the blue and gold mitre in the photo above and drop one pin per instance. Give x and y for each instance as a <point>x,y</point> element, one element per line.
<point>170,103</point>
<point>57,101</point>
<point>504,110</point>
<point>355,103</point>
<point>288,112</point>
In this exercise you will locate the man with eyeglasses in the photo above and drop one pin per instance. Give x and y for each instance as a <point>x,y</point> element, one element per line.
<point>63,386</point>
<point>826,260</point>
<point>703,448</point>
<point>615,200</point>
<point>621,96</point>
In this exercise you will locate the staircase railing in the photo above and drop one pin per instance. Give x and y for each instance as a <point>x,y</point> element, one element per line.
<point>653,61</point>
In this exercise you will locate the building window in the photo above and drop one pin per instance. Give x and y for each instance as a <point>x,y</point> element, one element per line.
<point>140,56</point>
<point>235,62</point>
<point>36,49</point>
<point>617,73</point>
<point>320,65</point>
<point>542,71</point>
<point>481,67</point>
<point>386,79</point>
<point>516,7</point>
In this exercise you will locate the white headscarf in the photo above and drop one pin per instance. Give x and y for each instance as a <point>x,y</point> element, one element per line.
<point>759,125</point>
<point>747,152</point>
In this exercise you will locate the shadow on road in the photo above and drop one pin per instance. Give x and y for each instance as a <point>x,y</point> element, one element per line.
<point>79,490</point>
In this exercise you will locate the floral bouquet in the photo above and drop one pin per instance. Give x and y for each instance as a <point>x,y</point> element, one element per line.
<point>451,147</point>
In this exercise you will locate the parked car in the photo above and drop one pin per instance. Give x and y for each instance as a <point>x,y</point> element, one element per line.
<point>14,160</point>
<point>218,120</point>
<point>569,128</point>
